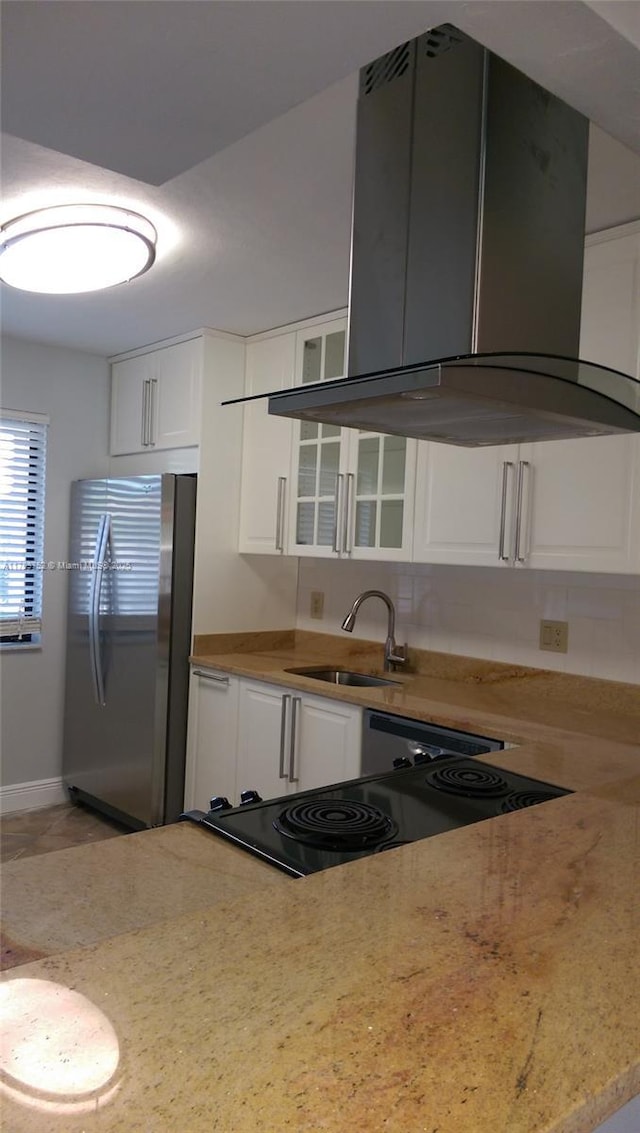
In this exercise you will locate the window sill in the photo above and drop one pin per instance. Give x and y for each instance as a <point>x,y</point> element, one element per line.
<point>16,647</point>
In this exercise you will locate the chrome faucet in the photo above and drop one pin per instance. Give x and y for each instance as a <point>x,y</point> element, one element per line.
<point>393,654</point>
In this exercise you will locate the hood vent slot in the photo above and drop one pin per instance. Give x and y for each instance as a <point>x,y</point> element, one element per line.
<point>386,69</point>
<point>440,39</point>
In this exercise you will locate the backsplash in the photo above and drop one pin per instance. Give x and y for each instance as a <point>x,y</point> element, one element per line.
<point>486,612</point>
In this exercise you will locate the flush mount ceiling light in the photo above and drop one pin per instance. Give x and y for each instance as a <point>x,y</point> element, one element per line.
<point>68,249</point>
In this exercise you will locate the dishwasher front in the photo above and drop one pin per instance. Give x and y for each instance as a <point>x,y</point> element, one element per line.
<point>387,738</point>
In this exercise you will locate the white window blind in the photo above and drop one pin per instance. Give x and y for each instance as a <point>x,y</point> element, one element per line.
<point>23,440</point>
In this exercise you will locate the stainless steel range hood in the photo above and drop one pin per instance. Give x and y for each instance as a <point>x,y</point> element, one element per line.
<point>467,252</point>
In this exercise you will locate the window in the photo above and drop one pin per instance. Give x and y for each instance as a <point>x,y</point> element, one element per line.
<point>23,439</point>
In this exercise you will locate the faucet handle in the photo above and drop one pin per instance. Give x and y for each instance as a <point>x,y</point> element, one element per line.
<point>398,655</point>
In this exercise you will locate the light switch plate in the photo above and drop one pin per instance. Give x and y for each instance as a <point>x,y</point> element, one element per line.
<point>554,636</point>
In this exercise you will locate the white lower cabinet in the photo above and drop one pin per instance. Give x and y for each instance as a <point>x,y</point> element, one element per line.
<point>289,741</point>
<point>247,734</point>
<point>212,738</point>
<point>262,739</point>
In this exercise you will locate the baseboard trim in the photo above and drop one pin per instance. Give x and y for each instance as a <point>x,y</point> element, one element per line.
<point>32,796</point>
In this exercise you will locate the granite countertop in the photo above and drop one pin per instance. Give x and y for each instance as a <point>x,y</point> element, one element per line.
<point>521,705</point>
<point>484,981</point>
<point>78,896</point>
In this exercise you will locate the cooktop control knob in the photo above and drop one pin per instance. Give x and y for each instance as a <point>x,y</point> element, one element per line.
<point>219,802</point>
<point>250,797</point>
<point>426,753</point>
<point>401,762</point>
<point>422,757</point>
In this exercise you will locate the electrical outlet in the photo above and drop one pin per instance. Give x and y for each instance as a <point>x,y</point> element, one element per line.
<point>317,604</point>
<point>554,636</point>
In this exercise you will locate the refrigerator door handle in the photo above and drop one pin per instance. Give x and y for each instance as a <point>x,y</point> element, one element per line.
<point>103,540</point>
<point>93,582</point>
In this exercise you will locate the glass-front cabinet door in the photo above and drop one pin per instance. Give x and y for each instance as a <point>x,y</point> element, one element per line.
<point>379,496</point>
<point>352,490</point>
<point>319,451</point>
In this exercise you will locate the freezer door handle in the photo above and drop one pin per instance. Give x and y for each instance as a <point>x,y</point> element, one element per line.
<point>103,539</point>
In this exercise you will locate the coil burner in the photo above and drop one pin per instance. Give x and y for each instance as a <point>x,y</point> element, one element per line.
<point>518,800</point>
<point>471,780</point>
<point>392,845</point>
<point>335,824</point>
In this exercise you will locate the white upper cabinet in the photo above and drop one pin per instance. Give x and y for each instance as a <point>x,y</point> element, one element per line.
<point>610,328</point>
<point>580,506</point>
<point>130,381</point>
<point>465,503</point>
<point>177,370</point>
<point>266,448</point>
<point>379,496</point>
<point>155,399</point>
<point>568,505</point>
<point>352,490</point>
<point>581,499</point>
<point>319,455</point>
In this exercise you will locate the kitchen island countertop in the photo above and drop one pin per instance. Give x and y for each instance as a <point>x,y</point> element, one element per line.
<point>484,981</point>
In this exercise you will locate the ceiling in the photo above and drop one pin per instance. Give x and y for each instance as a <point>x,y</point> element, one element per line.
<point>230,123</point>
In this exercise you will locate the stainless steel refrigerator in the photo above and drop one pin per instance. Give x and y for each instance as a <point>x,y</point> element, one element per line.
<point>128,639</point>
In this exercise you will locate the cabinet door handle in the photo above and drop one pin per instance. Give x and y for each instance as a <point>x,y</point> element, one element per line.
<point>506,466</point>
<point>153,410</point>
<point>295,702</point>
<point>282,486</point>
<point>205,676</point>
<point>283,729</point>
<point>145,413</point>
<point>336,516</point>
<point>347,543</point>
<point>517,553</point>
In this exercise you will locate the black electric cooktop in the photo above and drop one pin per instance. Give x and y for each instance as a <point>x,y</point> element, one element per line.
<point>314,830</point>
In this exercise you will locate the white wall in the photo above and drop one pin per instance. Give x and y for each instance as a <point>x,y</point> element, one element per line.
<point>73,389</point>
<point>487,612</point>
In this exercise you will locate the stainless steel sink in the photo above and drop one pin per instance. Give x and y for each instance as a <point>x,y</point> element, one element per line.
<point>341,677</point>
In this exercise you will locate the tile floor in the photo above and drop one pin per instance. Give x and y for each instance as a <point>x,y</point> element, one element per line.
<point>30,832</point>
